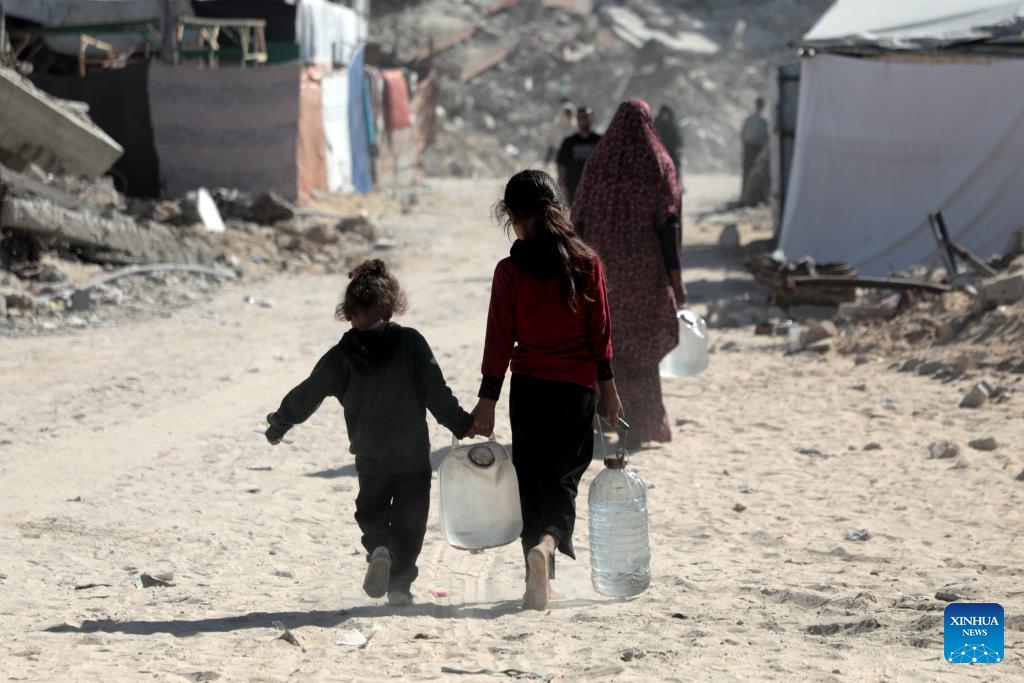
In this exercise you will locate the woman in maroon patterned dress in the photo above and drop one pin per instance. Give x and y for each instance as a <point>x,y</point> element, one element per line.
<point>627,207</point>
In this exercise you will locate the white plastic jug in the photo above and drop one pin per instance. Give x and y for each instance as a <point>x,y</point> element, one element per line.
<point>479,496</point>
<point>690,357</point>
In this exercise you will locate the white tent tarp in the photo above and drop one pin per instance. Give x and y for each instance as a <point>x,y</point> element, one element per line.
<point>904,23</point>
<point>880,144</point>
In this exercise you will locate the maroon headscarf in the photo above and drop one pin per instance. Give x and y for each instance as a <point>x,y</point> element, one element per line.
<point>628,190</point>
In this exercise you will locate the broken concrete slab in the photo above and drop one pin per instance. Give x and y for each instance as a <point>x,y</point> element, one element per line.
<point>819,332</point>
<point>977,396</point>
<point>51,133</point>
<point>118,237</point>
<point>1003,290</point>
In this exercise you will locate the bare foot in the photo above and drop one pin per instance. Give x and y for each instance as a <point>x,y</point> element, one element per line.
<point>537,586</point>
<point>538,581</point>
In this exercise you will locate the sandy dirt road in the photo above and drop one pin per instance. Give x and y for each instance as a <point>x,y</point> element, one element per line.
<point>132,449</point>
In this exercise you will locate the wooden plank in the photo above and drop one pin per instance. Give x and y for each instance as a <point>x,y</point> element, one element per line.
<point>800,281</point>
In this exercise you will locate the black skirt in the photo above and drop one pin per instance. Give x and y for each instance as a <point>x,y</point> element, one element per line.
<point>552,446</point>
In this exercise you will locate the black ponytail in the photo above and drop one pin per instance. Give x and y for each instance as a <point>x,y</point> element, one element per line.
<point>533,194</point>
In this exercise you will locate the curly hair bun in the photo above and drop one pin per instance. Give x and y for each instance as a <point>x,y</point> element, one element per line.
<point>370,268</point>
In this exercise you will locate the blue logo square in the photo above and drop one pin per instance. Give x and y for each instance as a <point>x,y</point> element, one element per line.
<point>973,633</point>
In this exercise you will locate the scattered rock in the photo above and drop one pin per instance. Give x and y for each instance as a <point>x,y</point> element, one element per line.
<point>818,332</point>
<point>910,364</point>
<point>202,676</point>
<point>81,300</point>
<point>19,301</point>
<point>873,446</point>
<point>322,234</point>
<point>633,653</point>
<point>1020,477</point>
<point>943,450</point>
<point>823,347</point>
<point>729,237</point>
<point>1005,290</point>
<point>255,301</point>
<point>739,507</point>
<point>930,368</point>
<point>987,444</point>
<point>865,626</point>
<point>161,580</point>
<point>811,452</point>
<point>947,596</point>
<point>729,346</point>
<point>289,637</point>
<point>977,396</point>
<point>3,307</point>
<point>859,535</point>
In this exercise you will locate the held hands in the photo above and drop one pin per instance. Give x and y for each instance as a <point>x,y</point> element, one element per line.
<point>483,418</point>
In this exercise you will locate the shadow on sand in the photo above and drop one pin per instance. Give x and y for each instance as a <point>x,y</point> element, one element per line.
<point>183,628</point>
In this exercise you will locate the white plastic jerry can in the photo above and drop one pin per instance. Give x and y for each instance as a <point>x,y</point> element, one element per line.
<point>479,496</point>
<point>690,357</point>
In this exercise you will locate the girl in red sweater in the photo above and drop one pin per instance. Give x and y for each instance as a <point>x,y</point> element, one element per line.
<point>548,318</point>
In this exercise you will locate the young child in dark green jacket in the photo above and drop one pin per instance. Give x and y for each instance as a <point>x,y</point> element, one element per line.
<point>386,378</point>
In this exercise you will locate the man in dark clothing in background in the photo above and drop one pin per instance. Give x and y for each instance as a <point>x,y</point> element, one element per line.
<point>574,152</point>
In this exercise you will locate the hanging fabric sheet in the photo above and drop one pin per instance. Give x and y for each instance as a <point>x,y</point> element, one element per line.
<point>227,127</point>
<point>312,145</point>
<point>396,99</point>
<point>328,33</point>
<point>334,90</point>
<point>362,172</point>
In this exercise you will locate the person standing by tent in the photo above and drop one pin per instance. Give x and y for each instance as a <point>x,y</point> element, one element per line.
<point>574,152</point>
<point>549,317</point>
<point>627,208</point>
<point>667,128</point>
<point>754,136</point>
<point>562,127</point>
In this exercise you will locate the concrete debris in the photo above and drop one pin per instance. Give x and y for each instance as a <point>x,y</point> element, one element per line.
<point>943,450</point>
<point>54,134</point>
<point>977,396</point>
<point>1004,290</point>
<point>816,333</point>
<point>61,235</point>
<point>699,61</point>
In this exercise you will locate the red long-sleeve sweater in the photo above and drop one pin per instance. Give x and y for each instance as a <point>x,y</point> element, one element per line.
<point>530,324</point>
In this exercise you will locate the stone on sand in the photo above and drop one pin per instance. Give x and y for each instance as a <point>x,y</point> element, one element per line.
<point>987,444</point>
<point>977,396</point>
<point>943,450</point>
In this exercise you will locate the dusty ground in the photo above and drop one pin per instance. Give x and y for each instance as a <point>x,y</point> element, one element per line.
<point>132,449</point>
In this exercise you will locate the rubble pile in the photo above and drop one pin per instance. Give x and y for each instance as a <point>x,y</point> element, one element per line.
<point>708,59</point>
<point>74,252</point>
<point>977,323</point>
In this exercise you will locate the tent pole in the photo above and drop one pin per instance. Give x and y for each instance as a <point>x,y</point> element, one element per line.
<point>168,44</point>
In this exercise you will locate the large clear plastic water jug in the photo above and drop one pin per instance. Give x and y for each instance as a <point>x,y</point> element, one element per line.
<point>620,553</point>
<point>479,496</point>
<point>690,357</point>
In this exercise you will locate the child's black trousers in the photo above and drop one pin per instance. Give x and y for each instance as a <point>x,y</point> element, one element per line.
<point>391,510</point>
